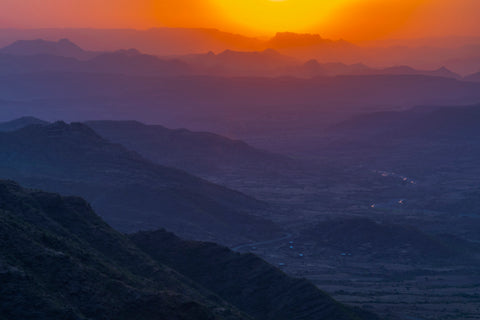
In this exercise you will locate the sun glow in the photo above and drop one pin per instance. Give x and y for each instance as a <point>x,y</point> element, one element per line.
<point>279,15</point>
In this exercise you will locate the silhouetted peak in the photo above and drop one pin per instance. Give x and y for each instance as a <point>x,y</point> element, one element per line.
<point>447,72</point>
<point>290,39</point>
<point>312,63</point>
<point>297,36</point>
<point>20,123</point>
<point>271,52</point>
<point>61,128</point>
<point>128,52</point>
<point>66,41</point>
<point>62,47</point>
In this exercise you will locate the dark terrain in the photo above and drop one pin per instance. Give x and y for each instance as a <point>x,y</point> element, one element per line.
<point>59,260</point>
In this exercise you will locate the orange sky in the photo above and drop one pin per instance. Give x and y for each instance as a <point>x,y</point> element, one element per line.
<point>349,19</point>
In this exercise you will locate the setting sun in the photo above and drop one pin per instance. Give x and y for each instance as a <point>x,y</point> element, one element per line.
<point>269,16</point>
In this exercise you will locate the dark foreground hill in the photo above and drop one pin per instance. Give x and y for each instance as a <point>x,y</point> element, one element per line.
<point>130,192</point>
<point>263,290</point>
<point>58,260</point>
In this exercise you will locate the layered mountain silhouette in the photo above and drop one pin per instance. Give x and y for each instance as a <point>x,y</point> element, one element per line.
<point>201,153</point>
<point>58,259</point>
<point>119,62</point>
<point>158,41</point>
<point>128,191</point>
<point>40,55</point>
<point>462,58</point>
<point>133,62</point>
<point>268,62</point>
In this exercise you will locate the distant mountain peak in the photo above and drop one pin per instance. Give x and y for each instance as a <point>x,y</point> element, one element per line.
<point>66,41</point>
<point>62,129</point>
<point>21,123</point>
<point>128,52</point>
<point>291,39</point>
<point>63,47</point>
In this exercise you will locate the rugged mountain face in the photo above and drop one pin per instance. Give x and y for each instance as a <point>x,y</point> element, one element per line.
<point>260,288</point>
<point>130,192</point>
<point>59,260</point>
<point>201,153</point>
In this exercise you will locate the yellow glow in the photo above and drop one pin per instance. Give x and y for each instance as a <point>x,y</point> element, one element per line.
<point>280,15</point>
<point>349,19</point>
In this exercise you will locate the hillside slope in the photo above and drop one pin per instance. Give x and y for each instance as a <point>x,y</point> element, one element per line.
<point>128,191</point>
<point>201,153</point>
<point>267,292</point>
<point>58,260</point>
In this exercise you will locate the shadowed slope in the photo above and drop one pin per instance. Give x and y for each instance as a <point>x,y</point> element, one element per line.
<point>59,260</point>
<point>130,192</point>
<point>200,153</point>
<point>264,290</point>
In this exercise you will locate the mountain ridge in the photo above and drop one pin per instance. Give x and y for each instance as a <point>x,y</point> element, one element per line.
<point>131,193</point>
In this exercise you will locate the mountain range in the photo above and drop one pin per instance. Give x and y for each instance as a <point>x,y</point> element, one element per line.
<point>462,58</point>
<point>37,55</point>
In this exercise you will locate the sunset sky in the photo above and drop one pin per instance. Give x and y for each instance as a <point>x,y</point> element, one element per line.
<point>352,20</point>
